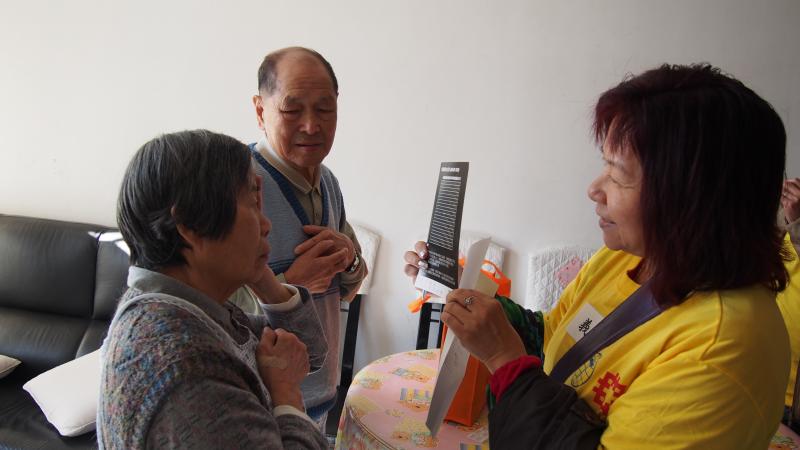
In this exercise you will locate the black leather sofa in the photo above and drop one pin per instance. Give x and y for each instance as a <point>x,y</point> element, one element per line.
<point>59,284</point>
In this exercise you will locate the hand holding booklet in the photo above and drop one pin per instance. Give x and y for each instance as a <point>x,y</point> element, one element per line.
<point>441,277</point>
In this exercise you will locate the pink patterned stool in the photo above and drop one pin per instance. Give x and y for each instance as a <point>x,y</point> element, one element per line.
<point>387,405</point>
<point>785,439</point>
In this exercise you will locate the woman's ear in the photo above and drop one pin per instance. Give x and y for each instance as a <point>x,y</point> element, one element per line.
<point>186,234</point>
<point>189,236</point>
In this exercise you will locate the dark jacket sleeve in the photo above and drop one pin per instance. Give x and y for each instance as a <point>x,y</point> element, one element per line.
<point>536,412</point>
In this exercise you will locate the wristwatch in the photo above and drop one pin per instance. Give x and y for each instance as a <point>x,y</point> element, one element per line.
<point>353,267</point>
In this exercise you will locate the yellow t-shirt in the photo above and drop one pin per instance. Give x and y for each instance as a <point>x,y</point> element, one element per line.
<point>708,373</point>
<point>789,304</point>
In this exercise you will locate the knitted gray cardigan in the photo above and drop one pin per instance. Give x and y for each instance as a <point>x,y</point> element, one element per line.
<point>179,372</point>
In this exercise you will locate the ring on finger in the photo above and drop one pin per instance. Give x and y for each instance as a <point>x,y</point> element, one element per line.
<point>469,300</point>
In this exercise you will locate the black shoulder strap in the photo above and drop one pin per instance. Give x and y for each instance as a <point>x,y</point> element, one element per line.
<point>634,311</point>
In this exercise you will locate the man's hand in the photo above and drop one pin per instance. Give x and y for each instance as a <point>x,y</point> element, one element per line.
<point>790,200</point>
<point>282,363</point>
<point>319,234</point>
<point>317,265</point>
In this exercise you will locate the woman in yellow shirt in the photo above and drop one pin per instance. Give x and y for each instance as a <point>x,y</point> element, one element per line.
<point>687,201</point>
<point>789,299</point>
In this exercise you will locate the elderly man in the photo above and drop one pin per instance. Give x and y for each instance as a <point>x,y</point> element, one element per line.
<point>312,244</point>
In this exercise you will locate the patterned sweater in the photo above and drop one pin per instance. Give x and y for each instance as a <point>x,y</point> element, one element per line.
<point>179,372</point>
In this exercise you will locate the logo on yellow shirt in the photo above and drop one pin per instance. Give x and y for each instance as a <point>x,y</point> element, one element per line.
<point>585,372</point>
<point>584,320</point>
<point>608,384</point>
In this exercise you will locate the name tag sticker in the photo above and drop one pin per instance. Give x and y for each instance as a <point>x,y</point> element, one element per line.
<point>583,322</point>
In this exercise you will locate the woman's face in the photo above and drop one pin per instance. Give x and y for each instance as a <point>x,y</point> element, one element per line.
<point>616,193</point>
<point>240,257</point>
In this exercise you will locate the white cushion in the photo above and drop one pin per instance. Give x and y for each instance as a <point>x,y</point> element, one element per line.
<point>369,242</point>
<point>550,270</point>
<point>68,394</point>
<point>7,365</point>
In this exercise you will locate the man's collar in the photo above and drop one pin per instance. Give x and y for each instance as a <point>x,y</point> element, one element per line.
<point>277,161</point>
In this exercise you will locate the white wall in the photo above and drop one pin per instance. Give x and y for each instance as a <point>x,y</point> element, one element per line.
<point>506,85</point>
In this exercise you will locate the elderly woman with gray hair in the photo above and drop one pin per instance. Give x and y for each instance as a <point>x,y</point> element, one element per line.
<point>182,367</point>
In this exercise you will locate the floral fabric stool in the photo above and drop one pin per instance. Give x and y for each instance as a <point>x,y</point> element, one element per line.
<point>785,439</point>
<point>387,405</point>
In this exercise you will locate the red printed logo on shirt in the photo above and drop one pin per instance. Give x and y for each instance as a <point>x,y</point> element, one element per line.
<point>607,390</point>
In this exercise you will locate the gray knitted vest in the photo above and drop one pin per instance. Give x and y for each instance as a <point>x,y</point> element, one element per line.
<point>133,433</point>
<point>288,217</point>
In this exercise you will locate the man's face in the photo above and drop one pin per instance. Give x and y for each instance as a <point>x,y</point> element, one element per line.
<point>299,117</point>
